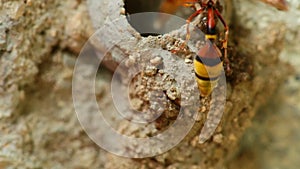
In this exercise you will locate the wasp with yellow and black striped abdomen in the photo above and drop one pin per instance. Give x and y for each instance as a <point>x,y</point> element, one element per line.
<point>207,68</point>
<point>208,65</point>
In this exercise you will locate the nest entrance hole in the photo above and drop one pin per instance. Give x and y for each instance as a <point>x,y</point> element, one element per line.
<point>139,6</point>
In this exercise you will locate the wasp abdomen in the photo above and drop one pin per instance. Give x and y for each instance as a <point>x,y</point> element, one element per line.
<point>208,67</point>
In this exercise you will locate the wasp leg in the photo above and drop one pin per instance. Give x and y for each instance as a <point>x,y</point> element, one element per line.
<point>188,21</point>
<point>225,41</point>
<point>188,34</point>
<point>225,51</point>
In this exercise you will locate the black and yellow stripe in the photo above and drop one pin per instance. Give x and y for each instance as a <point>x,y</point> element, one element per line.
<point>211,37</point>
<point>208,69</point>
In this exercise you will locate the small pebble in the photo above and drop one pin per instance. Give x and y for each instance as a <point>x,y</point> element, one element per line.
<point>150,71</point>
<point>122,11</point>
<point>156,61</point>
<point>218,138</point>
<point>129,62</point>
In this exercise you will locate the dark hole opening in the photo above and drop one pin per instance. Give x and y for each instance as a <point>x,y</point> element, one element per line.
<point>146,23</point>
<point>138,6</point>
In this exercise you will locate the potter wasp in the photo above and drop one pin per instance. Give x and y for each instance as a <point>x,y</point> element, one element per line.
<point>207,64</point>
